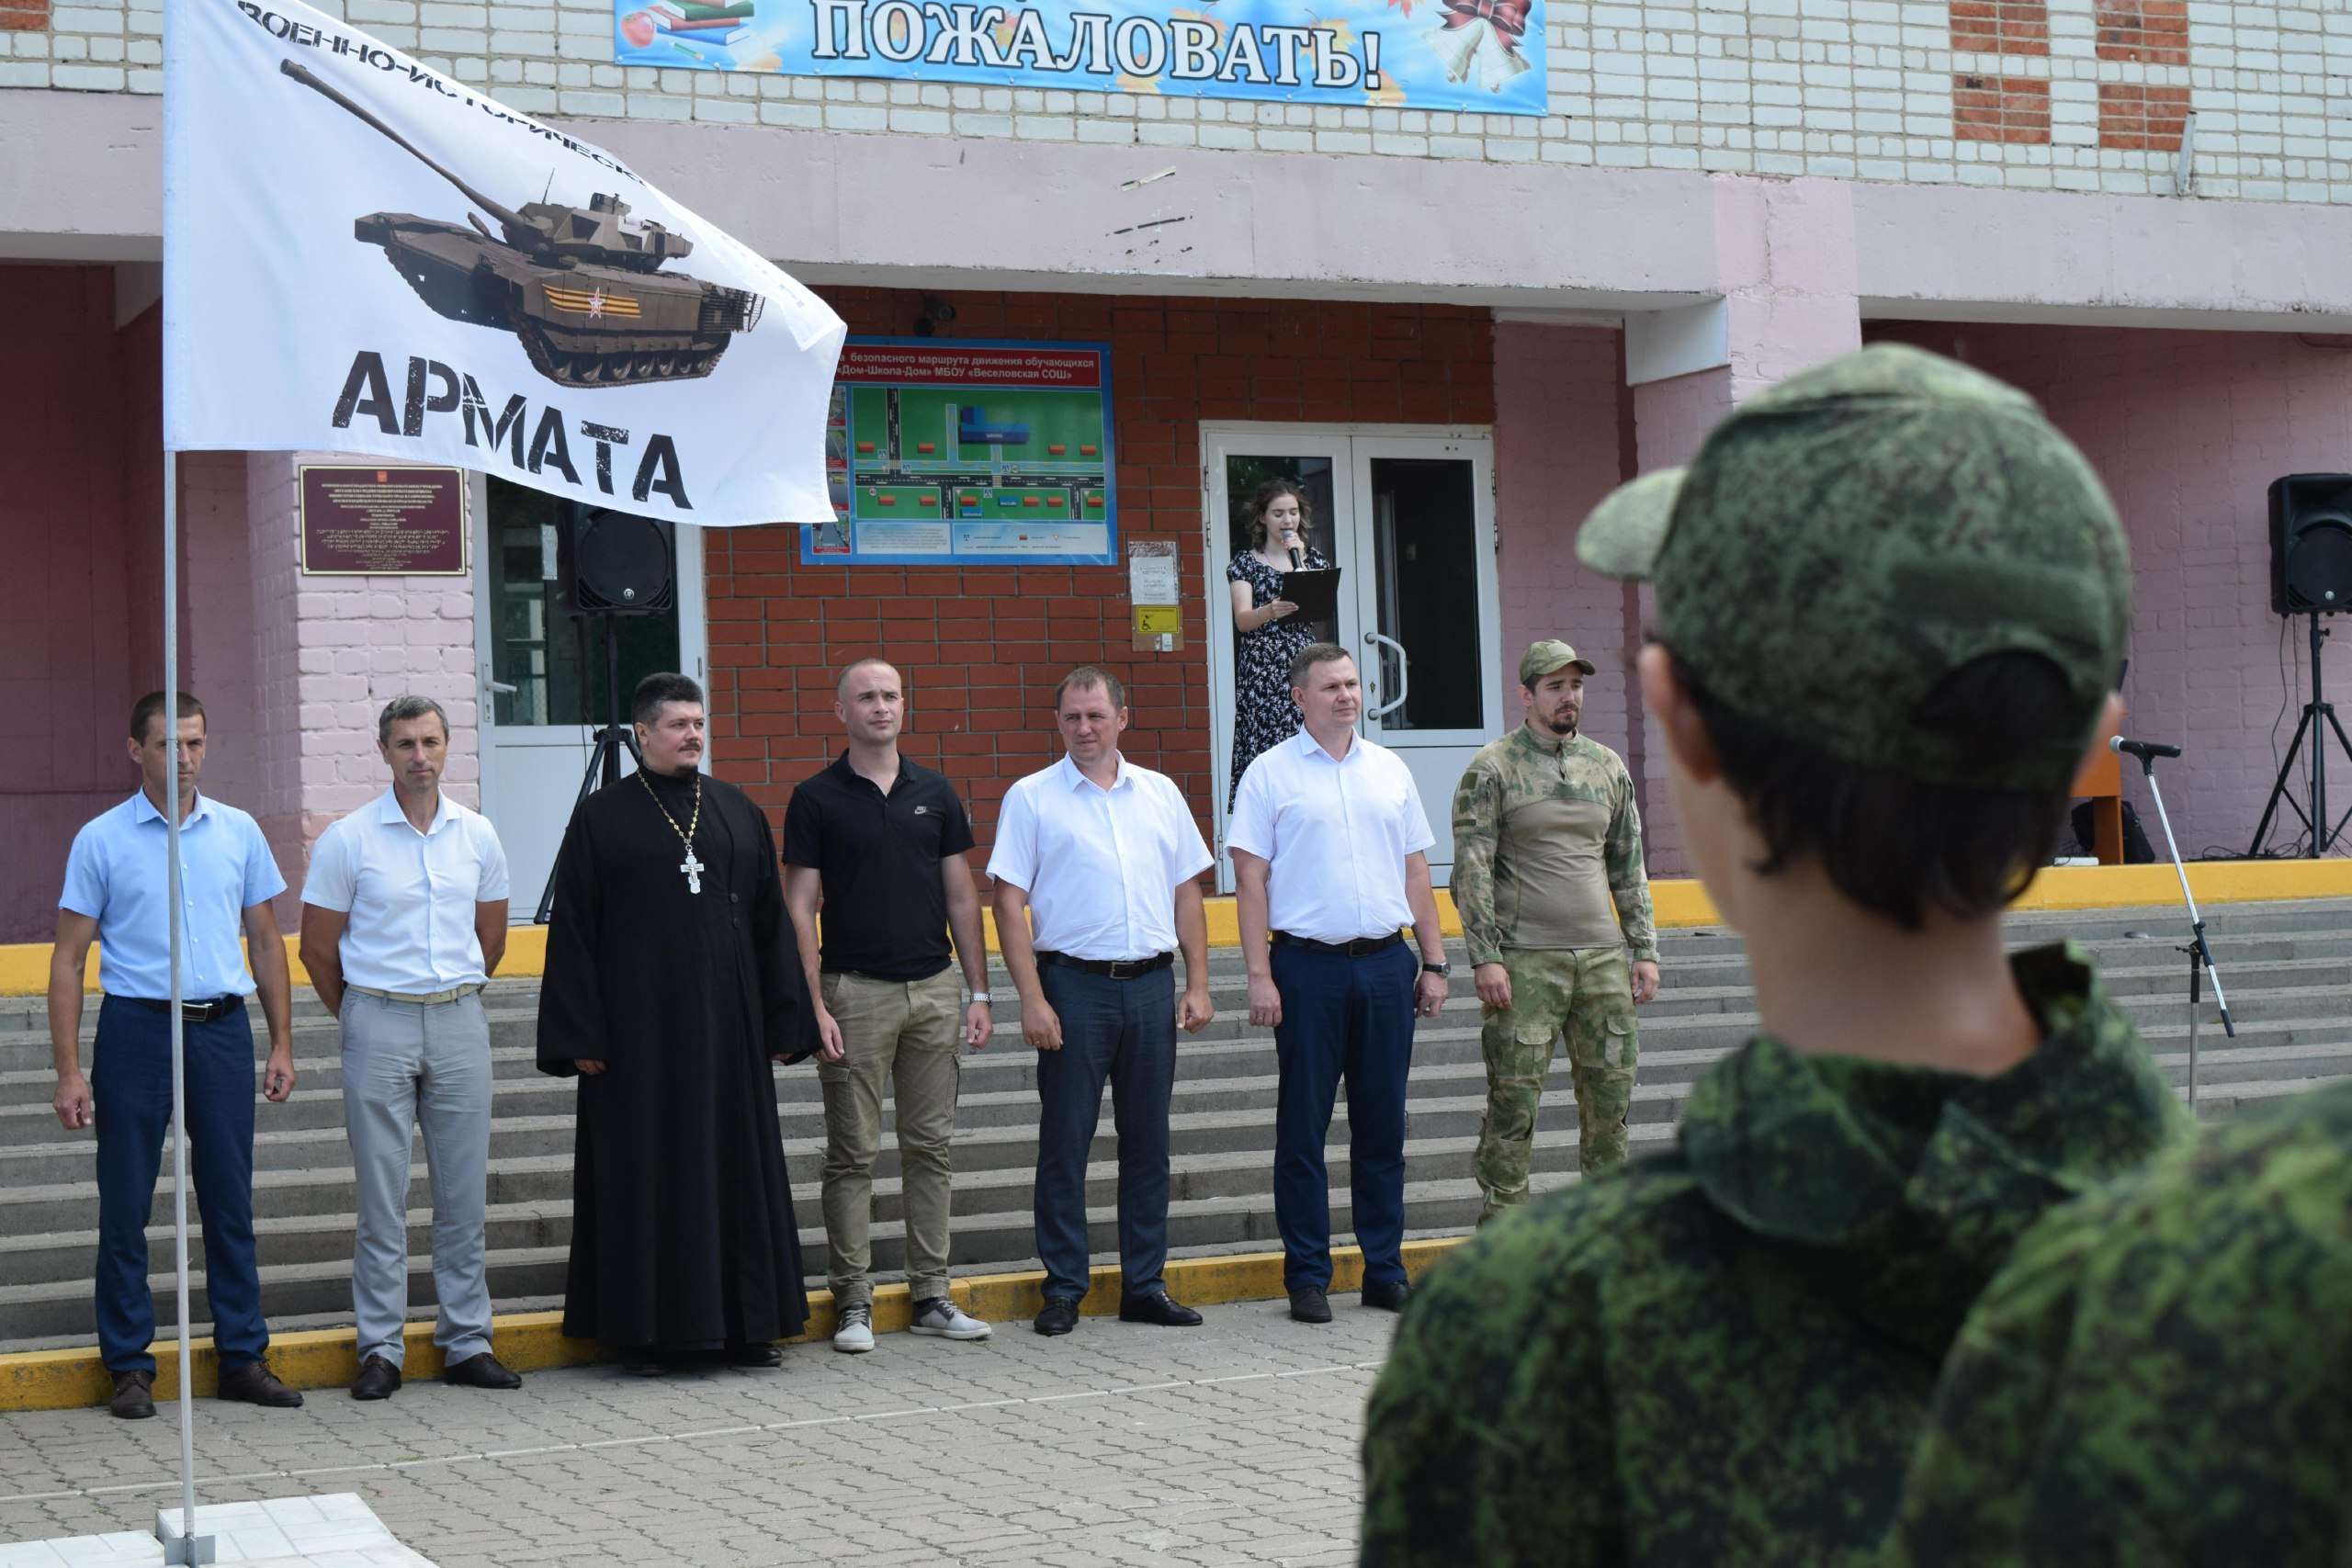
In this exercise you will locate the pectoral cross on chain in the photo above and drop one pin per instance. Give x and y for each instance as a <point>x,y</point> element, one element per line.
<point>693,870</point>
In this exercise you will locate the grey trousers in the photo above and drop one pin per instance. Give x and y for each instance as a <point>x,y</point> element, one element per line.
<point>407,1066</point>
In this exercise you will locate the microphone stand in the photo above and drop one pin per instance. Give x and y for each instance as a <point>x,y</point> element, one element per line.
<point>2200,955</point>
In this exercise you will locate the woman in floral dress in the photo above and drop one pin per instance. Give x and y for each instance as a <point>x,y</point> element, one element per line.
<point>1270,632</point>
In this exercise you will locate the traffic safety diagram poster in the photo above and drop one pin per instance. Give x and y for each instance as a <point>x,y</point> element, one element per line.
<point>1478,56</point>
<point>940,452</point>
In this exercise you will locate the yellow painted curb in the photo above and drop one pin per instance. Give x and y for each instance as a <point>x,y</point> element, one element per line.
<point>1678,902</point>
<point>534,1341</point>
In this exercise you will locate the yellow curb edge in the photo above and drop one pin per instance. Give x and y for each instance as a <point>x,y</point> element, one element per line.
<point>1676,902</point>
<point>535,1341</point>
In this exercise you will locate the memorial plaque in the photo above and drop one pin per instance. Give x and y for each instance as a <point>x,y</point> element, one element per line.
<point>359,519</point>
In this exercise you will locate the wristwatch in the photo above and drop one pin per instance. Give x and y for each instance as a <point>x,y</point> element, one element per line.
<point>1443,968</point>
<point>982,997</point>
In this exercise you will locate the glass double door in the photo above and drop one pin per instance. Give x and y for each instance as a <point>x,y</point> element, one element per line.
<point>542,673</point>
<point>1408,520</point>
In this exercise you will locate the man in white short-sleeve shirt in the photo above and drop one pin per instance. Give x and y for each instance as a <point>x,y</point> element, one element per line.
<point>1097,865</point>
<point>403,922</point>
<point>1330,848</point>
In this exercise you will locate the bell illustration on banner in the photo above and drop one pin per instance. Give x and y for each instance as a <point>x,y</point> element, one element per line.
<point>1456,48</point>
<point>1481,38</point>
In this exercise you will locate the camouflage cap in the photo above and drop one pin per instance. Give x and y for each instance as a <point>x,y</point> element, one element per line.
<point>1846,539</point>
<point>1546,655</point>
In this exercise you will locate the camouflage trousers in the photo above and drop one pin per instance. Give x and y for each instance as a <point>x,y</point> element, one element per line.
<point>1587,994</point>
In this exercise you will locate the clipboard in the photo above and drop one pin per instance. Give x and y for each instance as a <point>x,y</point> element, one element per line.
<point>1316,592</point>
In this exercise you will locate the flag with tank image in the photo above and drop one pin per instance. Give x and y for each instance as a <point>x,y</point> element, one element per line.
<point>413,270</point>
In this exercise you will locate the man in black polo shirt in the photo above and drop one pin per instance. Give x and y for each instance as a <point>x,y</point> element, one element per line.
<point>882,839</point>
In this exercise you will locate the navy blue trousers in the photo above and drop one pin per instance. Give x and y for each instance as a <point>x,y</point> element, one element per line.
<point>1344,1019</point>
<point>131,1082</point>
<point>1122,1031</point>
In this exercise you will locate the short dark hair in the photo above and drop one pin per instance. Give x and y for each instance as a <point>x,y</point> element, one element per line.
<point>1092,675</point>
<point>658,691</point>
<point>1313,654</point>
<point>143,711</point>
<point>402,709</point>
<point>854,665</point>
<point>1889,842</point>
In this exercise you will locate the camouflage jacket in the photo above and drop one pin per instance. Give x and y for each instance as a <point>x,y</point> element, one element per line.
<point>2163,1373</point>
<point>1521,768</point>
<point>1721,1354</point>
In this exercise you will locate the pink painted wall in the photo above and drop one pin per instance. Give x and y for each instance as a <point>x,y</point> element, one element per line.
<point>330,652</point>
<point>81,639</point>
<point>2189,429</point>
<point>1557,406</point>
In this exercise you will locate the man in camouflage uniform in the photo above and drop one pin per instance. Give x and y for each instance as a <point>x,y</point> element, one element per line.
<point>1891,603</point>
<point>2160,1373</point>
<point>1548,879</point>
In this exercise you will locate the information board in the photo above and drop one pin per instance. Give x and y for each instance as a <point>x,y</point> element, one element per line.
<point>359,519</point>
<point>949,453</point>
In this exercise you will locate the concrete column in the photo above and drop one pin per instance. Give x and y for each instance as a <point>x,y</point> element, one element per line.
<point>1786,254</point>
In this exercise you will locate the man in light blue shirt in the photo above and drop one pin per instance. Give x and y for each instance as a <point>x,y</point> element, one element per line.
<point>403,922</point>
<point>116,891</point>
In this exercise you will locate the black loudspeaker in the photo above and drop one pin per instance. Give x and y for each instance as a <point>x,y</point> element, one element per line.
<point>614,563</point>
<point>2311,544</point>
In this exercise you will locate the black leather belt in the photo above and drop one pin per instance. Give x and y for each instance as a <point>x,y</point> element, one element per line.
<point>192,1013</point>
<point>1116,968</point>
<point>1361,947</point>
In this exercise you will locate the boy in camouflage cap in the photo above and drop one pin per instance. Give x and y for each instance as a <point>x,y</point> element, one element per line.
<point>1548,880</point>
<point>1891,600</point>
<point>2163,1373</point>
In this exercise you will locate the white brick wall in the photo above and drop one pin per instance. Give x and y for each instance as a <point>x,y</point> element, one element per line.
<point>1836,88</point>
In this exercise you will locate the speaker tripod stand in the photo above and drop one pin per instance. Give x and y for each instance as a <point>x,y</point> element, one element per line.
<point>2322,833</point>
<point>603,762</point>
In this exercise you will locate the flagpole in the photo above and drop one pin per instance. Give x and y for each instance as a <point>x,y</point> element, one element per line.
<point>183,1549</point>
<point>188,1548</point>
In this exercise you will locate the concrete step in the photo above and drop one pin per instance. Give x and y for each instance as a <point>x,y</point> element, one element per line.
<point>2287,967</point>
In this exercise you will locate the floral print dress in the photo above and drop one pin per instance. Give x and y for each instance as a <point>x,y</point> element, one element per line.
<point>1263,714</point>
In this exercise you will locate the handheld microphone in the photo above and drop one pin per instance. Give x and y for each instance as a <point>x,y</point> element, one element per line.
<point>2146,750</point>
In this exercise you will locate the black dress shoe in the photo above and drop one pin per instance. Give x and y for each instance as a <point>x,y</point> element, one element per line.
<point>762,1355</point>
<point>378,1379</point>
<point>256,1384</point>
<point>1387,1297</point>
<point>480,1372</point>
<point>1310,1305</point>
<point>644,1364</point>
<point>1058,1316</point>
<point>1158,1307</point>
<point>134,1396</point>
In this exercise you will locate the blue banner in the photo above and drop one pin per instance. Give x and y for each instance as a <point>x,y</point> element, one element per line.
<point>1474,56</point>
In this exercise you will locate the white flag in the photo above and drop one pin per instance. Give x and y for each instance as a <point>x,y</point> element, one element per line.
<point>363,255</point>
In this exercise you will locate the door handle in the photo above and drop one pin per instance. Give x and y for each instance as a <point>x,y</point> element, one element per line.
<point>1403,672</point>
<point>501,688</point>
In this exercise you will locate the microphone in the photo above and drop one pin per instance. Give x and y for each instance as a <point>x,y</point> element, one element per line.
<point>1296,561</point>
<point>2146,750</point>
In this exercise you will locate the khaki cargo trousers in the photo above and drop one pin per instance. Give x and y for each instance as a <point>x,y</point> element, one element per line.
<point>909,1035</point>
<point>1585,994</point>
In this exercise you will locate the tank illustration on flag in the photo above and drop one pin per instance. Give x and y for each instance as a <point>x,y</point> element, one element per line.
<point>581,288</point>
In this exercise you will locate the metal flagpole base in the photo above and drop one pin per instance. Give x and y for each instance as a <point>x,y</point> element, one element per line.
<point>179,1548</point>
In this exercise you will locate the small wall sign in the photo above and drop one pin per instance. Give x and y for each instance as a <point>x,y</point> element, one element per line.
<point>359,519</point>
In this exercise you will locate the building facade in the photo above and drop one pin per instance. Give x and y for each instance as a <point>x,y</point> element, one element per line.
<point>1461,329</point>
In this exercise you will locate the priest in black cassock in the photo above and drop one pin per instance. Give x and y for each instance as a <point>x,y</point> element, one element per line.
<point>673,980</point>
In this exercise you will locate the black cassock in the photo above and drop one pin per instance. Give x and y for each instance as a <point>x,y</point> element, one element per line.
<point>683,1235</point>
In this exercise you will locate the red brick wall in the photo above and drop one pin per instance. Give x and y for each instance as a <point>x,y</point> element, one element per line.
<point>2000,108</point>
<point>23,15</point>
<point>981,649</point>
<point>2132,117</point>
<point>2001,27</point>
<point>2153,33</point>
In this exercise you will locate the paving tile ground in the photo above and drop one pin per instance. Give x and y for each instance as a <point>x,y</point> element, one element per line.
<point>1231,1443</point>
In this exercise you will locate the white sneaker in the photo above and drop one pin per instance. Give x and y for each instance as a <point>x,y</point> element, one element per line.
<point>944,1319</point>
<point>853,1335</point>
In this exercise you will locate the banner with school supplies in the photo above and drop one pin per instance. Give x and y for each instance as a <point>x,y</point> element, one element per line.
<point>1479,56</point>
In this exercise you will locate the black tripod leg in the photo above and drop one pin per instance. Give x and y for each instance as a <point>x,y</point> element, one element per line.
<point>605,746</point>
<point>2278,790</point>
